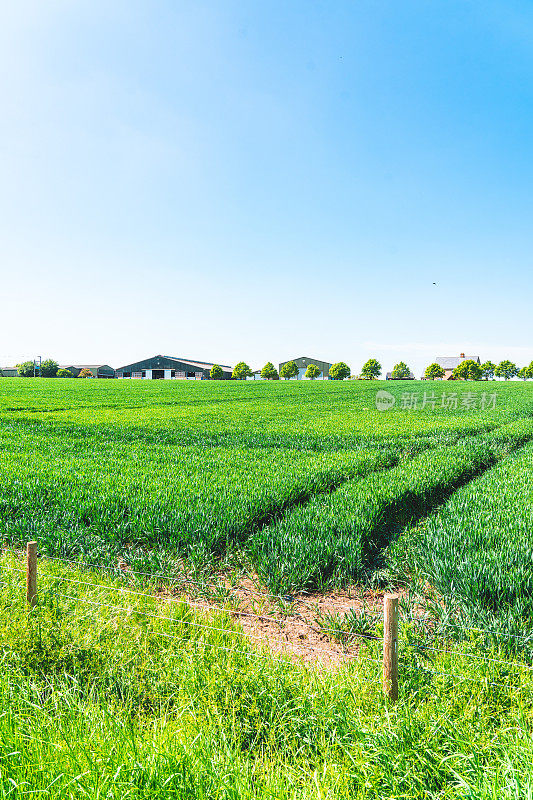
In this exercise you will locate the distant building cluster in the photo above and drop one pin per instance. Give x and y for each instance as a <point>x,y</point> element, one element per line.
<point>97,370</point>
<point>161,367</point>
<point>172,368</point>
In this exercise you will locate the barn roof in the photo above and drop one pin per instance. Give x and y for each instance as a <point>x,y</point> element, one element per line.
<point>147,362</point>
<point>203,364</point>
<point>307,358</point>
<point>451,362</point>
<point>85,366</point>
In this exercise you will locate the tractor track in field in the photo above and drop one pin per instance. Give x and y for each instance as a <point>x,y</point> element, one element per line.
<point>324,539</point>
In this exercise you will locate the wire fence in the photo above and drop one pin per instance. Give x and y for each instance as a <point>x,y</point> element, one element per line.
<point>54,580</point>
<point>125,569</point>
<point>213,606</point>
<point>453,626</point>
<point>394,642</point>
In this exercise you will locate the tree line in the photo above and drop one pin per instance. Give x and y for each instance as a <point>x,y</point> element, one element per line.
<point>241,371</point>
<point>470,370</point>
<point>338,372</point>
<point>48,369</point>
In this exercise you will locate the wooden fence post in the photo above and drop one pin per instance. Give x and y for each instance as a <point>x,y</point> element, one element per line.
<point>390,647</point>
<point>31,573</point>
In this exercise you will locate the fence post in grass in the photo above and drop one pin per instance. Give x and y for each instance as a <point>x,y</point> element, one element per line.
<point>390,647</point>
<point>31,573</point>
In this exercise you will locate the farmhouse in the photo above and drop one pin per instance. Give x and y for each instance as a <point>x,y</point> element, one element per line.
<point>97,370</point>
<point>167,367</point>
<point>449,363</point>
<point>303,362</point>
<point>9,372</point>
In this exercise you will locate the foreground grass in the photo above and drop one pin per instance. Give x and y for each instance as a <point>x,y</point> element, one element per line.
<point>98,699</point>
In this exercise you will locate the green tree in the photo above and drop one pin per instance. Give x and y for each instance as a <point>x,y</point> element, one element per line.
<point>241,371</point>
<point>434,371</point>
<point>216,373</point>
<point>487,370</point>
<point>269,372</point>
<point>313,371</point>
<point>339,371</point>
<point>523,373</point>
<point>26,369</point>
<point>371,370</point>
<point>49,368</point>
<point>288,370</point>
<point>401,371</point>
<point>529,370</point>
<point>506,369</point>
<point>468,370</point>
<point>64,373</point>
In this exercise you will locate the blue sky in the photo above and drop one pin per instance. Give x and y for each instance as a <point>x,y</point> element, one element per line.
<point>235,180</point>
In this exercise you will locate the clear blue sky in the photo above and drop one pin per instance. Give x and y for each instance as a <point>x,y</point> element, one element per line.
<point>261,180</point>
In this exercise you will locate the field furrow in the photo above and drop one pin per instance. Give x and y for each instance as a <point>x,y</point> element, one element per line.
<point>338,536</point>
<point>477,550</point>
<point>153,500</point>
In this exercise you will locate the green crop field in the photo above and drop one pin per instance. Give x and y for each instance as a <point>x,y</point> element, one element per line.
<point>305,483</point>
<point>297,489</point>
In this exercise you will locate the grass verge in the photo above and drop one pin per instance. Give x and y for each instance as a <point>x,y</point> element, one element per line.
<point>96,702</point>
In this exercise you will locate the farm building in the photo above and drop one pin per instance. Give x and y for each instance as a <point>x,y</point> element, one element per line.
<point>256,375</point>
<point>98,370</point>
<point>167,367</point>
<point>388,377</point>
<point>9,372</point>
<point>303,362</point>
<point>449,363</point>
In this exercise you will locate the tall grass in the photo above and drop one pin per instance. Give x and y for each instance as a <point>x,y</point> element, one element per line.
<point>96,703</point>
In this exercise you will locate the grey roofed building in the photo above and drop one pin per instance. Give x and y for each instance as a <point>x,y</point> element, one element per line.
<point>98,370</point>
<point>168,367</point>
<point>9,372</point>
<point>303,362</point>
<point>449,363</point>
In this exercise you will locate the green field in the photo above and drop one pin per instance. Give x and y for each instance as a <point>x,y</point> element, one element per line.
<point>304,483</point>
<point>292,486</point>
